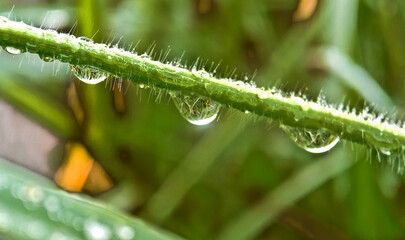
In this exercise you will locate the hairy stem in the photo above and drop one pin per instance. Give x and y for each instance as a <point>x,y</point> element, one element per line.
<point>285,108</point>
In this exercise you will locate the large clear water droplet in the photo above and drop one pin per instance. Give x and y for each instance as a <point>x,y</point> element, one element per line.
<point>88,74</point>
<point>13,51</point>
<point>312,140</point>
<point>197,110</point>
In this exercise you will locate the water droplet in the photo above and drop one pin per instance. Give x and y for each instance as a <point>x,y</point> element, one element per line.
<point>196,110</point>
<point>4,182</point>
<point>88,74</point>
<point>52,204</point>
<point>312,140</point>
<point>85,39</point>
<point>13,51</point>
<point>77,223</point>
<point>96,231</point>
<point>5,222</point>
<point>46,59</point>
<point>125,232</point>
<point>35,230</point>
<point>385,152</point>
<point>58,236</point>
<point>34,194</point>
<point>263,94</point>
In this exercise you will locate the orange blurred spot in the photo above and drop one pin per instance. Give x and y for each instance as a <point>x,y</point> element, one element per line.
<point>98,180</point>
<point>305,10</point>
<point>76,168</point>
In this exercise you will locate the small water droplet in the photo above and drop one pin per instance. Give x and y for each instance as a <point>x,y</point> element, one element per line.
<point>13,51</point>
<point>4,182</point>
<point>196,110</point>
<point>263,94</point>
<point>85,39</point>
<point>202,73</point>
<point>125,232</point>
<point>96,231</point>
<point>46,59</point>
<point>5,222</point>
<point>385,152</point>
<point>58,236</point>
<point>312,140</point>
<point>145,56</point>
<point>34,194</point>
<point>51,204</point>
<point>88,74</point>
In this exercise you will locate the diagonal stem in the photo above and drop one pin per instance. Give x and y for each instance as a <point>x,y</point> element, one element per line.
<point>285,108</point>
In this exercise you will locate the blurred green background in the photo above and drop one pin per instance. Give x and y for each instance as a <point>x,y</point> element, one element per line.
<point>197,180</point>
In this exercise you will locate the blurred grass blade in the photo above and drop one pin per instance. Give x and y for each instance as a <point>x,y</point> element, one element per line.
<point>357,78</point>
<point>32,208</point>
<point>254,220</point>
<point>193,167</point>
<point>293,47</point>
<point>343,23</point>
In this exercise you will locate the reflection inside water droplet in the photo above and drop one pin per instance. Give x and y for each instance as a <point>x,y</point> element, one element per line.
<point>88,74</point>
<point>196,110</point>
<point>312,140</point>
<point>13,51</point>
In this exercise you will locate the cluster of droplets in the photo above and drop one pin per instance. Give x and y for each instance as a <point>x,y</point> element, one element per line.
<point>197,110</point>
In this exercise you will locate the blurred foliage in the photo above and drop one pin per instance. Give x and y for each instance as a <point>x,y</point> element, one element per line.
<point>194,180</point>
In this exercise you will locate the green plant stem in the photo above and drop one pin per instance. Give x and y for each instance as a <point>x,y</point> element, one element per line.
<point>286,109</point>
<point>31,207</point>
<point>254,220</point>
